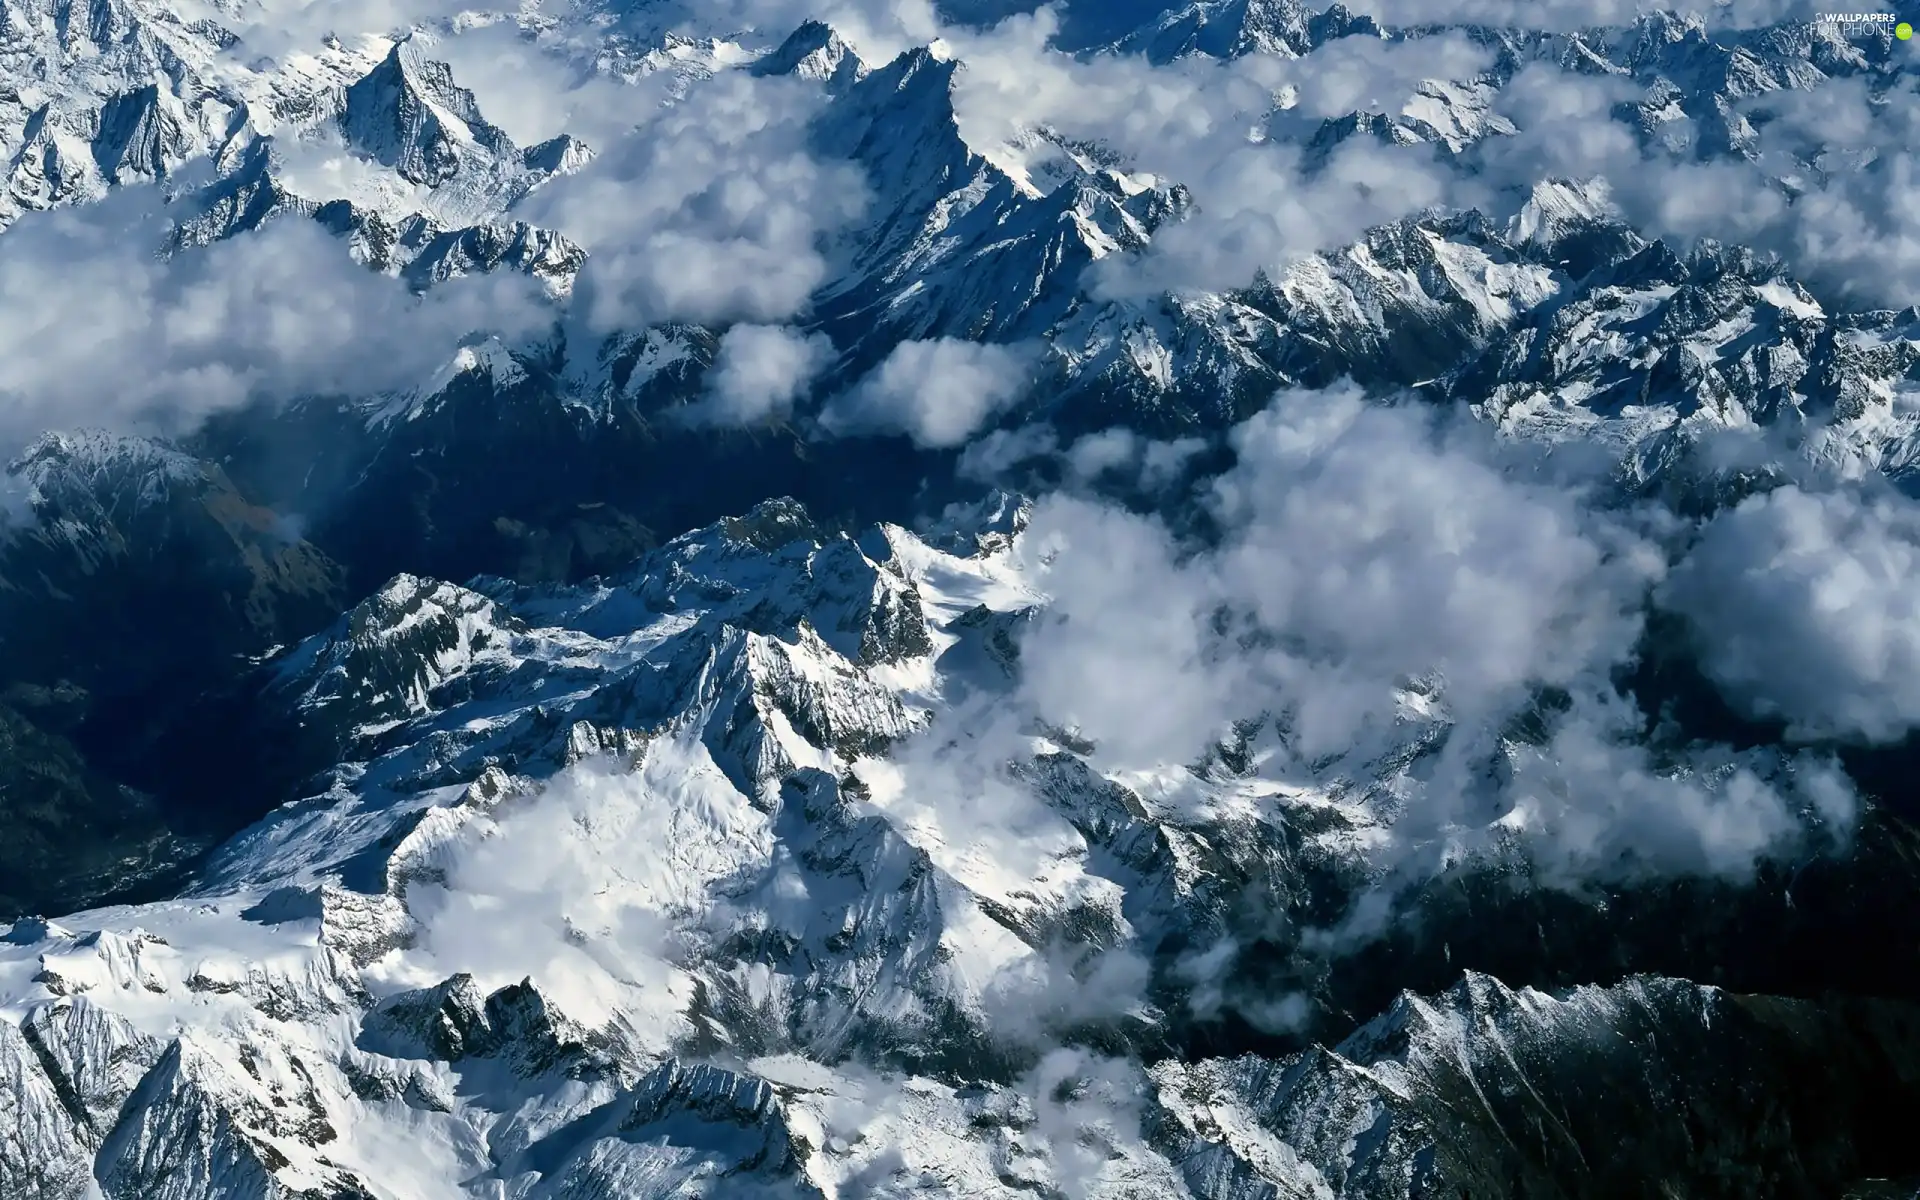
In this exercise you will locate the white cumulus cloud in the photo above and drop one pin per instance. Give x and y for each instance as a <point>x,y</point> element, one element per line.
<point>758,373</point>
<point>1805,609</point>
<point>939,392</point>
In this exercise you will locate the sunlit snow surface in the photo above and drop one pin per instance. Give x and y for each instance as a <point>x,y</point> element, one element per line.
<point>581,788</point>
<point>742,871</point>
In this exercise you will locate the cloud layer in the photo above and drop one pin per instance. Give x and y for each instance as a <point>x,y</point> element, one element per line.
<point>1370,545</point>
<point>1385,569</point>
<point>101,331</point>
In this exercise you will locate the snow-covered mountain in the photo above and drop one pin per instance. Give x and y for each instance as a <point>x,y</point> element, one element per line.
<point>958,241</point>
<point>732,950</point>
<point>396,804</point>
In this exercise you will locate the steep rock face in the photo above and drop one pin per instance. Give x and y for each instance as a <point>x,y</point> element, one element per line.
<point>898,123</point>
<point>1166,364</point>
<point>769,612</point>
<point>698,1128</point>
<point>408,114</point>
<point>817,52</point>
<point>1658,351</point>
<point>515,1025</point>
<point>120,98</point>
<point>142,134</point>
<point>435,255</point>
<point>443,181</point>
<point>245,198</point>
<point>957,247</point>
<point>1395,309</point>
<point>42,1153</point>
<point>143,93</point>
<point>1669,50</point>
<point>1231,28</point>
<point>1628,1091</point>
<point>382,663</point>
<point>120,526</point>
<point>1448,115</point>
<point>853,592</point>
<point>137,570</point>
<point>71,835</point>
<point>954,246</point>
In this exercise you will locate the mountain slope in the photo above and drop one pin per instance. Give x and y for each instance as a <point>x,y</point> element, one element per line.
<point>614,888</point>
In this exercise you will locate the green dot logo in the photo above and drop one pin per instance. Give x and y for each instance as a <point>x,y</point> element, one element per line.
<point>1903,31</point>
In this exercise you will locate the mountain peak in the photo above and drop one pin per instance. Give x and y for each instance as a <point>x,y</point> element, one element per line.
<point>772,524</point>
<point>815,51</point>
<point>86,462</point>
<point>919,69</point>
<point>898,122</point>
<point>408,114</point>
<point>1233,28</point>
<point>981,527</point>
<point>560,155</point>
<point>143,133</point>
<point>489,360</point>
